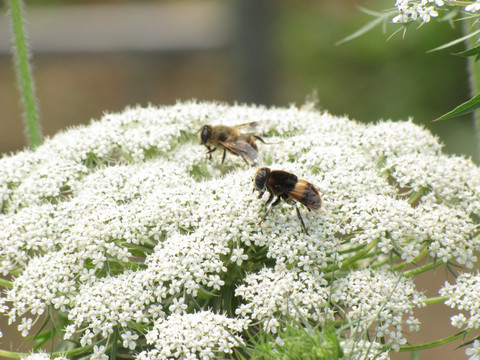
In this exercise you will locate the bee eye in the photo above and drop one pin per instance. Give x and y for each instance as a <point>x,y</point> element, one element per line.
<point>261,179</point>
<point>205,134</point>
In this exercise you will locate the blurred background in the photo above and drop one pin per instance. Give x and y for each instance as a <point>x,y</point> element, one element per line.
<point>91,57</point>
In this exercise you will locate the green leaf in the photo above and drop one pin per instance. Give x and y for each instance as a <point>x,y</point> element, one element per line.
<point>465,108</point>
<point>367,27</point>
<point>467,342</point>
<point>470,52</point>
<point>42,339</point>
<point>455,42</point>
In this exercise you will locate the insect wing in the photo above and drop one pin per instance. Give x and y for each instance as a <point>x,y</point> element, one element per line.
<point>306,194</point>
<point>282,182</point>
<point>250,125</point>
<point>243,149</point>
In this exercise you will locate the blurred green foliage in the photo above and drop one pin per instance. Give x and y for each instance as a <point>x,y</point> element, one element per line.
<point>372,78</point>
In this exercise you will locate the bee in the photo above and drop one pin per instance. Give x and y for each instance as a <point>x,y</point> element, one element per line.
<point>232,139</point>
<point>286,186</point>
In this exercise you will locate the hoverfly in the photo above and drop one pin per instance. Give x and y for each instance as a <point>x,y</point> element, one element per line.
<point>289,187</point>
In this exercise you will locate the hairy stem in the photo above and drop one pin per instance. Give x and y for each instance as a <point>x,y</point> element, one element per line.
<point>24,74</point>
<point>473,68</point>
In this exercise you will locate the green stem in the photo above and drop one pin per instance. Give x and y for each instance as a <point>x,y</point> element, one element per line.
<point>434,343</point>
<point>6,284</point>
<point>378,264</point>
<point>422,269</point>
<point>78,351</point>
<point>419,257</point>
<point>412,199</point>
<point>24,74</point>
<point>350,250</point>
<point>436,300</point>
<point>359,255</point>
<point>11,354</point>
<point>460,3</point>
<point>473,68</point>
<point>70,353</point>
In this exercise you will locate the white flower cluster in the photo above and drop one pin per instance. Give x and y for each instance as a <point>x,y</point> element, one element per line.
<point>3,309</point>
<point>179,266</point>
<point>199,335</point>
<point>380,297</point>
<point>276,293</point>
<point>473,7</point>
<point>424,10</point>
<point>356,349</point>
<point>42,356</point>
<point>125,222</point>
<point>464,295</point>
<point>473,352</point>
<point>411,10</point>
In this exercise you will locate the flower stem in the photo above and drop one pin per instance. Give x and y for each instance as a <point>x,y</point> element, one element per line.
<point>68,354</point>
<point>436,300</point>
<point>419,257</point>
<point>434,343</point>
<point>11,354</point>
<point>24,74</point>
<point>473,68</point>
<point>422,269</point>
<point>359,255</point>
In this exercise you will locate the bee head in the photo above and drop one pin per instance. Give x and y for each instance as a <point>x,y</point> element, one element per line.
<point>260,179</point>
<point>205,133</point>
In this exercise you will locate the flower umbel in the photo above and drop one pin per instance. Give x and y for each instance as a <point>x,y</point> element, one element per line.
<point>424,10</point>
<point>190,336</point>
<point>463,295</point>
<point>127,232</point>
<point>474,352</point>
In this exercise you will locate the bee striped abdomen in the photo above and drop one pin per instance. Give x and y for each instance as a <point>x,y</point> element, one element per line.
<point>309,195</point>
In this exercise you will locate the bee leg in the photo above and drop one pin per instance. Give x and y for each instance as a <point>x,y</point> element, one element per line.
<point>259,138</point>
<point>301,220</point>
<point>224,153</point>
<point>275,203</point>
<point>263,141</point>
<point>209,152</point>
<point>269,200</point>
